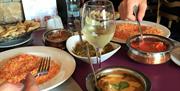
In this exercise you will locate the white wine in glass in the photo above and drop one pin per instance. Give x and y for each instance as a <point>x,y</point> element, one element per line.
<point>98,24</point>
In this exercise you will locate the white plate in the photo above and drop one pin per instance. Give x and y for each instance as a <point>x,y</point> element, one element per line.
<point>145,23</point>
<point>61,57</point>
<point>175,55</point>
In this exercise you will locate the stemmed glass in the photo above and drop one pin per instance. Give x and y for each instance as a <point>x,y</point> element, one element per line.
<point>98,24</point>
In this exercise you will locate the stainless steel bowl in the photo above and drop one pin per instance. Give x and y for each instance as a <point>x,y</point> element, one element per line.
<point>150,57</point>
<point>56,38</point>
<point>90,83</point>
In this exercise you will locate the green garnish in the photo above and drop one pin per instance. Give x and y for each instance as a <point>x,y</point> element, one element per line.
<point>120,85</point>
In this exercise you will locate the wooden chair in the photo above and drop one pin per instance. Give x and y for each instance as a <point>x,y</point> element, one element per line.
<point>169,6</point>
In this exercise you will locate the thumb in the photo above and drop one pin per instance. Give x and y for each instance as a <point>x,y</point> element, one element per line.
<point>30,84</point>
<point>11,87</point>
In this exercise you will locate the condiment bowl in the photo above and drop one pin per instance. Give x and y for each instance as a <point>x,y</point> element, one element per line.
<point>73,40</point>
<point>56,38</point>
<point>117,75</point>
<point>149,55</point>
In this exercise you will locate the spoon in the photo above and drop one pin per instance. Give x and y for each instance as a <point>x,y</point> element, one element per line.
<point>135,10</point>
<point>91,64</point>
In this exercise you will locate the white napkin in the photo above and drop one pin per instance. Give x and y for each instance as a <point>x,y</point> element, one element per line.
<point>54,23</point>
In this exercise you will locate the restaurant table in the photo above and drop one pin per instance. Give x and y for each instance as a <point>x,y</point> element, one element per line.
<point>163,77</point>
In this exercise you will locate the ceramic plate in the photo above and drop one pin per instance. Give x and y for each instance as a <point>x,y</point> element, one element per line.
<point>175,55</point>
<point>61,57</point>
<point>166,31</point>
<point>15,42</point>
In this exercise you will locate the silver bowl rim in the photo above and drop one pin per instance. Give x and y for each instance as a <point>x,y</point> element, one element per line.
<point>146,82</point>
<point>44,37</point>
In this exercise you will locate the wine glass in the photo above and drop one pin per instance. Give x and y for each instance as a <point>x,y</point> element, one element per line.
<point>98,24</point>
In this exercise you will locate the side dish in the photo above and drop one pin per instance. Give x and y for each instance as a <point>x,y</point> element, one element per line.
<point>119,81</point>
<point>15,68</point>
<point>149,45</point>
<point>80,49</point>
<point>56,38</point>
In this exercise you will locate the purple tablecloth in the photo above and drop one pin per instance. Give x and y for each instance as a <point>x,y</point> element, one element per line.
<point>163,77</point>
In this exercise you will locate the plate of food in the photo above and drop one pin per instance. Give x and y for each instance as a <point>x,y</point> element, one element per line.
<point>16,42</point>
<point>12,34</point>
<point>16,63</point>
<point>127,29</point>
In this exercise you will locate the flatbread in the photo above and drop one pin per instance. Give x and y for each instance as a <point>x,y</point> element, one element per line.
<point>10,12</point>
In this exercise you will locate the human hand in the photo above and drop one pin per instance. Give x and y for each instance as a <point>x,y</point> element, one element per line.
<point>29,85</point>
<point>126,9</point>
<point>11,87</point>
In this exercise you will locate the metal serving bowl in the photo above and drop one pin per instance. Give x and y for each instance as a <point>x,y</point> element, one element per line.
<point>150,57</point>
<point>56,38</point>
<point>90,83</point>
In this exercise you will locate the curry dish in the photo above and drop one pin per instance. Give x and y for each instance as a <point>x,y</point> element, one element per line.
<point>119,81</point>
<point>15,69</point>
<point>149,45</point>
<point>126,30</point>
<point>80,49</point>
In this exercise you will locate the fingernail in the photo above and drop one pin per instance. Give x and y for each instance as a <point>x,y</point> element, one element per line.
<point>140,19</point>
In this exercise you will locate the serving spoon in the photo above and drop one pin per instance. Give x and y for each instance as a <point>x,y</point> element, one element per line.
<point>135,11</point>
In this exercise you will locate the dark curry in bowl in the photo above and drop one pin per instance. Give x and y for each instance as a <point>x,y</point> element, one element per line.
<point>80,49</point>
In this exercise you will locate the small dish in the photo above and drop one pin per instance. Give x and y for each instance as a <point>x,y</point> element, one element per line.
<point>154,49</point>
<point>56,38</point>
<point>73,40</point>
<point>115,76</point>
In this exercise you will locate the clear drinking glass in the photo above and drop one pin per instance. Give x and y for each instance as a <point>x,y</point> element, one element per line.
<point>98,24</point>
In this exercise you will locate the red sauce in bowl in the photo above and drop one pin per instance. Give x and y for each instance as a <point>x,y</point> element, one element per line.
<point>149,45</point>
<point>58,36</point>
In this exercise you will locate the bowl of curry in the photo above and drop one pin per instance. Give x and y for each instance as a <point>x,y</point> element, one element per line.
<point>153,49</point>
<point>118,78</point>
<point>78,49</point>
<point>56,38</point>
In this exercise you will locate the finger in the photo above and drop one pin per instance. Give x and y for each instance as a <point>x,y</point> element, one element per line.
<point>30,84</point>
<point>131,17</point>
<point>120,8</point>
<point>141,12</point>
<point>11,87</point>
<point>130,6</point>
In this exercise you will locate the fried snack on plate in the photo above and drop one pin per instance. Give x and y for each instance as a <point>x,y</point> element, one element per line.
<point>1,29</point>
<point>31,25</point>
<point>12,31</point>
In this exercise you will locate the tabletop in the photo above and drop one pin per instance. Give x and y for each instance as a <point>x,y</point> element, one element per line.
<point>163,77</point>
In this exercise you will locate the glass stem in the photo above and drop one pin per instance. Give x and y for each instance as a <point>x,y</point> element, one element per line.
<point>98,55</point>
